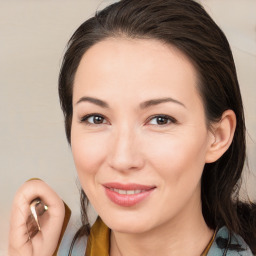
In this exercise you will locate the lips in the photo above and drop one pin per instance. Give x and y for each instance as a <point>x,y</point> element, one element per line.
<point>127,194</point>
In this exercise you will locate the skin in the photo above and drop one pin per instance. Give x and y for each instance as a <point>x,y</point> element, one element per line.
<point>45,242</point>
<point>128,145</point>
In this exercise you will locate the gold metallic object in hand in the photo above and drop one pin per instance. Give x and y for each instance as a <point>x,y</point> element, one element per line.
<point>38,208</point>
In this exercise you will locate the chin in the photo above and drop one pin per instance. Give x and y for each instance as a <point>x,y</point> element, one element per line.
<point>130,229</point>
<point>127,224</point>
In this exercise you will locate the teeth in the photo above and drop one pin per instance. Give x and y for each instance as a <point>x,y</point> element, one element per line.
<point>126,192</point>
<point>122,192</point>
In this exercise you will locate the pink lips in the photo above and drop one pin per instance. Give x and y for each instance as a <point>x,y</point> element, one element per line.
<point>127,194</point>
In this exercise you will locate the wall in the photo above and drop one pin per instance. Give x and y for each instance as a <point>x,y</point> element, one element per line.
<point>33,35</point>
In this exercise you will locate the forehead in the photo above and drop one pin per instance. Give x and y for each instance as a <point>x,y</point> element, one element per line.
<point>135,68</point>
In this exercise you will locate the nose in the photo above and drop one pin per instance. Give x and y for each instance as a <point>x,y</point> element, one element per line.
<point>125,151</point>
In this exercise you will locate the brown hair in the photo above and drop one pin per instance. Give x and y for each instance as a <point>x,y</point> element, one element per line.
<point>185,25</point>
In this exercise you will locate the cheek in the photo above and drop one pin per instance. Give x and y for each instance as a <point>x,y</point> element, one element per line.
<point>177,155</point>
<point>88,152</point>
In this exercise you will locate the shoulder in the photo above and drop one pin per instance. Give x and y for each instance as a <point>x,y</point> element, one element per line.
<point>80,245</point>
<point>229,244</point>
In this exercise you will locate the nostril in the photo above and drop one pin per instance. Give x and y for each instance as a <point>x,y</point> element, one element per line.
<point>124,152</point>
<point>122,161</point>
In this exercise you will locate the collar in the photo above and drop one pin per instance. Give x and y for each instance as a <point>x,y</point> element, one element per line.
<point>99,242</point>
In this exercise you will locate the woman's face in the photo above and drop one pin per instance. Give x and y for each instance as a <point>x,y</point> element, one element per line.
<point>139,136</point>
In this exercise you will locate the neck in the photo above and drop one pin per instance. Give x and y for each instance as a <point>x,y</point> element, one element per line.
<point>186,234</point>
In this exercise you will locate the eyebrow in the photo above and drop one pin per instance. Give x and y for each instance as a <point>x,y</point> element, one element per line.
<point>154,102</point>
<point>143,105</point>
<point>95,101</point>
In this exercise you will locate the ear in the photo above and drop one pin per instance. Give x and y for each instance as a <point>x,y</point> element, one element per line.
<point>221,137</point>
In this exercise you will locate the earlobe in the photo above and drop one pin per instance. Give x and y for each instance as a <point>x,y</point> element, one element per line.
<point>223,133</point>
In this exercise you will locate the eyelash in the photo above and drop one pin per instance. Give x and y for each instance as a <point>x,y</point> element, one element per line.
<point>85,118</point>
<point>169,118</point>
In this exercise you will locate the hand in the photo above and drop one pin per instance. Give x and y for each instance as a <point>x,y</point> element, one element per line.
<point>45,241</point>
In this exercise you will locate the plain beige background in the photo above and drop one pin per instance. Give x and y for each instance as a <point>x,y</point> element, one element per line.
<point>33,35</point>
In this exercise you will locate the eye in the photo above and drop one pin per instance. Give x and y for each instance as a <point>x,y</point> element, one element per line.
<point>93,119</point>
<point>162,120</point>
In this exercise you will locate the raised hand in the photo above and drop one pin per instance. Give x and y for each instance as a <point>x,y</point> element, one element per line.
<point>24,241</point>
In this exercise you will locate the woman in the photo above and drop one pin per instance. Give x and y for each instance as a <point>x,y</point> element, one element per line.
<point>154,117</point>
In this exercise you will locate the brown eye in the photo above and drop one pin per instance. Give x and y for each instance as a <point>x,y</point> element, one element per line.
<point>93,119</point>
<point>162,120</point>
<point>97,119</point>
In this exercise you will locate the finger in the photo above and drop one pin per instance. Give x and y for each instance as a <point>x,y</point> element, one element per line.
<point>51,221</point>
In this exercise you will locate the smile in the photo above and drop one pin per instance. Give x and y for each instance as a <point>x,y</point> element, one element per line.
<point>127,195</point>
<point>126,192</point>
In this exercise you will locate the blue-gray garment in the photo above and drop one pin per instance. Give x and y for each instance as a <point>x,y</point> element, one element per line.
<point>231,244</point>
<point>218,247</point>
